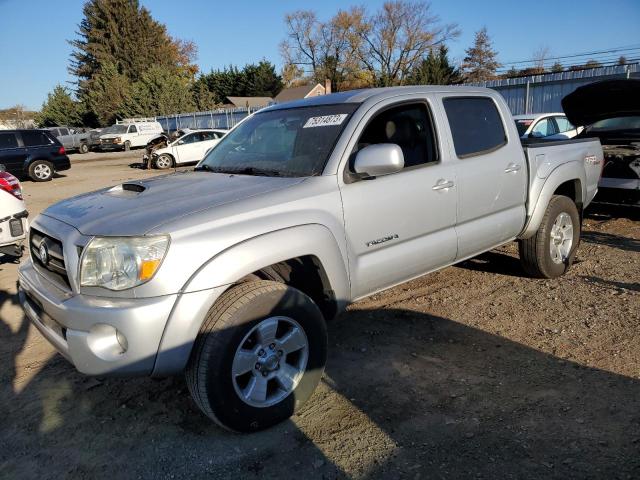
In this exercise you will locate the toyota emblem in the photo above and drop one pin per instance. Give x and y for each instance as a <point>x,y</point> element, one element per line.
<point>44,253</point>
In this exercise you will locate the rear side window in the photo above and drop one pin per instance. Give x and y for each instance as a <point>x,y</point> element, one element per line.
<point>8,140</point>
<point>133,129</point>
<point>476,126</point>
<point>64,131</point>
<point>35,138</point>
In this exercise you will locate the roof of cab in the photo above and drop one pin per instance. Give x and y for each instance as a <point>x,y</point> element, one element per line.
<point>359,96</point>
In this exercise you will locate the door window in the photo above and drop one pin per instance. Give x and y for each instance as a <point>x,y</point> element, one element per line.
<point>544,128</point>
<point>476,126</point>
<point>8,140</point>
<point>191,138</point>
<point>563,124</point>
<point>63,131</point>
<point>205,136</point>
<point>409,127</point>
<point>35,138</point>
<point>133,129</point>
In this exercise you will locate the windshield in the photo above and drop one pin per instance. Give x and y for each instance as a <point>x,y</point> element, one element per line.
<point>617,123</point>
<point>522,126</point>
<point>294,142</point>
<point>115,129</point>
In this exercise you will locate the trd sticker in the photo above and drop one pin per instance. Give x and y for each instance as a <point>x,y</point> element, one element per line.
<point>325,120</point>
<point>591,160</point>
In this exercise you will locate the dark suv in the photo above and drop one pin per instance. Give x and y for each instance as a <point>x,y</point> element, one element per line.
<point>33,153</point>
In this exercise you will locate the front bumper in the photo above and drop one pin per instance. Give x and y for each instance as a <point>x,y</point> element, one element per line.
<point>99,336</point>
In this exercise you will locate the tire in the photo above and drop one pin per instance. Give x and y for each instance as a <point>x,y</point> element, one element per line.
<point>127,146</point>
<point>41,171</point>
<point>230,342</point>
<point>83,148</point>
<point>551,251</point>
<point>164,161</point>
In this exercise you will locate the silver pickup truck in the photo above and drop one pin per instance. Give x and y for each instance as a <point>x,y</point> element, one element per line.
<point>229,272</point>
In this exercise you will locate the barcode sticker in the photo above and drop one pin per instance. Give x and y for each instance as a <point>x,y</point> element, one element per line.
<point>325,120</point>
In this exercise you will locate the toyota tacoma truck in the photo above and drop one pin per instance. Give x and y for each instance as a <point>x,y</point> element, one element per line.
<point>229,272</point>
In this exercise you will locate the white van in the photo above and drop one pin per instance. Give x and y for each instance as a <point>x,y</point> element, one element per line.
<point>129,134</point>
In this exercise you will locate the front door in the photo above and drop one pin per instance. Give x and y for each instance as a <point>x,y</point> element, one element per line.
<point>188,148</point>
<point>403,224</point>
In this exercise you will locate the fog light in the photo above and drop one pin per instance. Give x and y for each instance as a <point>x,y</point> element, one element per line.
<point>106,342</point>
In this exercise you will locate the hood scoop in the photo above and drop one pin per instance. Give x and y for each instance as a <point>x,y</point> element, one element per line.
<point>126,190</point>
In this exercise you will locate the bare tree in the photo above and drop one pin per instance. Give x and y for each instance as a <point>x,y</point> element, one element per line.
<point>354,47</point>
<point>396,38</point>
<point>540,56</point>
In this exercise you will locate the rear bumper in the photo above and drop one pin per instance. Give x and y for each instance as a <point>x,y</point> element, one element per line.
<point>13,231</point>
<point>61,163</point>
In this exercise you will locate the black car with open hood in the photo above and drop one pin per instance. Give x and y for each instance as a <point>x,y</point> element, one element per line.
<point>610,110</point>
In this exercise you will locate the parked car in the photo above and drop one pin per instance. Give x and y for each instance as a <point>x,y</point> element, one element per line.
<point>124,136</point>
<point>230,272</point>
<point>71,138</point>
<point>610,110</point>
<point>33,153</point>
<point>13,215</point>
<point>550,126</point>
<point>190,148</point>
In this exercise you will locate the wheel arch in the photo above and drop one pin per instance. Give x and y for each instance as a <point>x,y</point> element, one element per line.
<point>567,180</point>
<point>286,255</point>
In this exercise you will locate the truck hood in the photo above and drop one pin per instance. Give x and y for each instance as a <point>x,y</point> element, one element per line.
<point>136,207</point>
<point>601,100</point>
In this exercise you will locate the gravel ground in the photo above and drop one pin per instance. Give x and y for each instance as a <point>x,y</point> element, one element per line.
<point>474,371</point>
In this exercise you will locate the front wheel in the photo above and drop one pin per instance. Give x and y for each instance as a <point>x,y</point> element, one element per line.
<point>127,146</point>
<point>163,162</point>
<point>83,148</point>
<point>258,357</point>
<point>551,251</point>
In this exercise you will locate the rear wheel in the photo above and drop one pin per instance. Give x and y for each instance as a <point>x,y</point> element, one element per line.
<point>41,171</point>
<point>164,161</point>
<point>259,356</point>
<point>551,251</point>
<point>84,148</point>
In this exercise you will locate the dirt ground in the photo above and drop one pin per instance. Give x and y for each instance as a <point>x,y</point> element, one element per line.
<point>474,371</point>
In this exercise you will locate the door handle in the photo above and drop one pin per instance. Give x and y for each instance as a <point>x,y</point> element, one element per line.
<point>512,168</point>
<point>442,185</point>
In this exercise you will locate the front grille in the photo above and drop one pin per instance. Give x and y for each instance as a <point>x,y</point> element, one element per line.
<point>53,266</point>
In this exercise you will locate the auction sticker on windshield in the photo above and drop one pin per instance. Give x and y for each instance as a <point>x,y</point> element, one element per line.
<point>325,120</point>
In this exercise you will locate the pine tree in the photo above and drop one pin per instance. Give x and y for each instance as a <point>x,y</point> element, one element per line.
<point>110,90</point>
<point>481,63</point>
<point>557,67</point>
<point>59,109</point>
<point>435,70</point>
<point>159,92</point>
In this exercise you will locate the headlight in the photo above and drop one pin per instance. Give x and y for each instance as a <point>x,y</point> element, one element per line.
<point>117,140</point>
<point>118,263</point>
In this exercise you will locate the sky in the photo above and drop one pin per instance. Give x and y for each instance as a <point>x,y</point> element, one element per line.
<point>35,52</point>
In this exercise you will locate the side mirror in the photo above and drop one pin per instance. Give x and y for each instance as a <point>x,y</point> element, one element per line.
<point>536,135</point>
<point>180,142</point>
<point>379,159</point>
<point>2,168</point>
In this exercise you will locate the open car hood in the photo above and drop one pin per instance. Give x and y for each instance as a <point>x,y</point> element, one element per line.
<point>601,100</point>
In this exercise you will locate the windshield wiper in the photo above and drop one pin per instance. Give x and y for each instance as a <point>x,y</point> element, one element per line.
<point>240,171</point>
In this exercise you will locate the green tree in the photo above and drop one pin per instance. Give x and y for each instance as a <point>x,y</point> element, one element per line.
<point>261,80</point>
<point>435,70</point>
<point>481,62</point>
<point>59,109</point>
<point>557,67</point>
<point>159,92</point>
<point>110,91</point>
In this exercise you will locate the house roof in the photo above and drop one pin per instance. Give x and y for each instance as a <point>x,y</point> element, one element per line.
<point>295,93</point>
<point>250,101</point>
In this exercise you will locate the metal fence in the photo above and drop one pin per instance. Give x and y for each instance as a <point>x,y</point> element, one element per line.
<point>543,93</point>
<point>221,118</point>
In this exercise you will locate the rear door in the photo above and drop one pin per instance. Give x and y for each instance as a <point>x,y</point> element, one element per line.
<point>491,174</point>
<point>12,153</point>
<point>209,139</point>
<point>400,225</point>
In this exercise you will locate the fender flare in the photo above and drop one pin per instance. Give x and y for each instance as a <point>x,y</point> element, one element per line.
<point>567,172</point>
<point>221,271</point>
